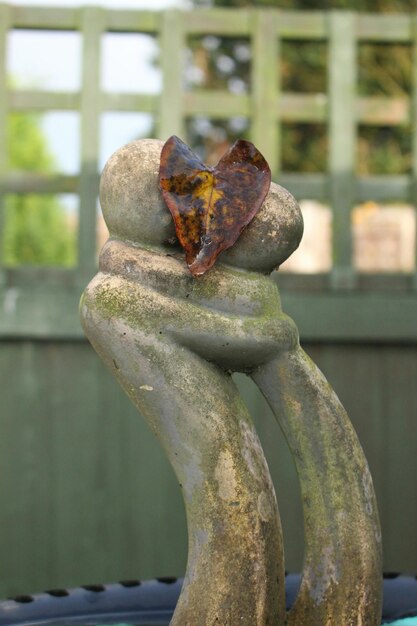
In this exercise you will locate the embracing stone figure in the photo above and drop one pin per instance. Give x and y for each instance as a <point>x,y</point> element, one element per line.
<point>173,341</point>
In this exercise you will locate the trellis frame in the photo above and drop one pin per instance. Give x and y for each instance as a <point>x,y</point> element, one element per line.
<point>340,305</point>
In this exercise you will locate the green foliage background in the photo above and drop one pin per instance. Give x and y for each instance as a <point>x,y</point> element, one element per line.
<point>35,227</point>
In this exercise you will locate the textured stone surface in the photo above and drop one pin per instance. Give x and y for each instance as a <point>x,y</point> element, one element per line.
<point>341,582</point>
<point>134,210</point>
<point>271,237</point>
<point>130,199</point>
<point>171,341</point>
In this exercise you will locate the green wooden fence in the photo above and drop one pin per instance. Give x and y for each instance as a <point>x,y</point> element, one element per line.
<point>85,491</point>
<point>265,106</point>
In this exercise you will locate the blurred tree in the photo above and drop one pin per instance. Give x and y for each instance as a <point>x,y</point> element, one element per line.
<point>384,70</point>
<point>36,230</point>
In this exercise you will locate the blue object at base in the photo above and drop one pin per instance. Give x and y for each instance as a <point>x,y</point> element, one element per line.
<point>152,603</point>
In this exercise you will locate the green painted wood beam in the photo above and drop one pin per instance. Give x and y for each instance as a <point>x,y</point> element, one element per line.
<point>370,110</point>
<point>128,21</point>
<point>39,313</point>
<point>92,25</point>
<point>381,188</point>
<point>304,186</point>
<point>31,100</point>
<point>59,18</point>
<point>218,104</point>
<point>218,21</point>
<point>44,18</point>
<point>342,136</point>
<point>52,313</point>
<point>363,317</point>
<point>413,194</point>
<point>170,121</point>
<point>265,130</point>
<point>393,283</point>
<point>4,29</point>
<point>41,277</point>
<point>71,101</point>
<point>289,107</point>
<point>303,25</point>
<point>380,111</point>
<point>385,28</point>
<point>300,107</point>
<point>28,182</point>
<point>145,103</point>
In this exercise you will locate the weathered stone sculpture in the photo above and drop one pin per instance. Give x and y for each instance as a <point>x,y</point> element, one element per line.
<point>172,341</point>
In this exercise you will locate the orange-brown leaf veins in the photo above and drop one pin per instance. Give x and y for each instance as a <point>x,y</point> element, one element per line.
<point>211,206</point>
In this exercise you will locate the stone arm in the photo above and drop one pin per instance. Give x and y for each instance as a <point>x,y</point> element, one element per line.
<point>228,316</point>
<point>341,581</point>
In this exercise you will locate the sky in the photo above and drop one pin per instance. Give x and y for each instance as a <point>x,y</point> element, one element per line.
<point>31,65</point>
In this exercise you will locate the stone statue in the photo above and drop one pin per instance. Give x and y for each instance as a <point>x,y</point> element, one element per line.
<point>173,341</point>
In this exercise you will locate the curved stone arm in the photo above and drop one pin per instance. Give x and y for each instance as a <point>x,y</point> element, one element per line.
<point>341,583</point>
<point>229,317</point>
<point>235,573</point>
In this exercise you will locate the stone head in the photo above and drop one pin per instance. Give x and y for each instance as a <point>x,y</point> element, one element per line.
<point>134,210</point>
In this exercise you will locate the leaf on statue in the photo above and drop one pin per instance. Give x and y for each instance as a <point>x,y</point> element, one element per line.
<point>211,205</point>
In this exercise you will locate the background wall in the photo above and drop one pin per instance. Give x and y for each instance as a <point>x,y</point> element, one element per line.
<point>87,495</point>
